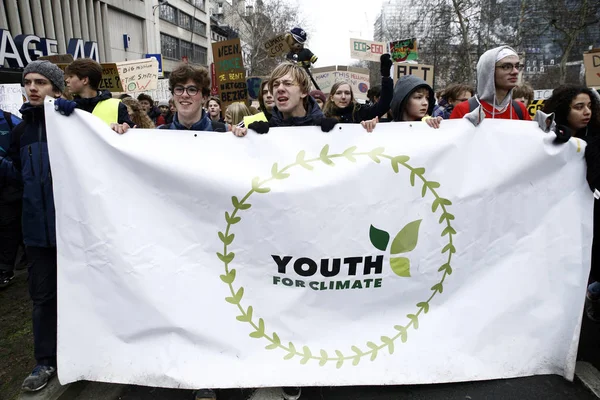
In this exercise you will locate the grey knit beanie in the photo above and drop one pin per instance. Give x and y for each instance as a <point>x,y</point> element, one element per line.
<point>49,70</point>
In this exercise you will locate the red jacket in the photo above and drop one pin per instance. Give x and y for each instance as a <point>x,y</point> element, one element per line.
<point>463,108</point>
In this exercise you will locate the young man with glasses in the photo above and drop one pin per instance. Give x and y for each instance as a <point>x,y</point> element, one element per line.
<point>190,87</point>
<point>497,74</point>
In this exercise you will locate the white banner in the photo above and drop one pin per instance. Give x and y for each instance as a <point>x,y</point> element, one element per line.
<point>409,255</point>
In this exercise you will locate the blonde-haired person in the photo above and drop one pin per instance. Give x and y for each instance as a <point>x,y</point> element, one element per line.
<point>235,113</point>
<point>137,114</point>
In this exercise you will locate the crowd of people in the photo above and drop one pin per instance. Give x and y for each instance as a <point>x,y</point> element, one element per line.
<point>27,216</point>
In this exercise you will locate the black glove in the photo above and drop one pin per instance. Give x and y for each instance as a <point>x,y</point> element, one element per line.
<point>327,124</point>
<point>65,107</point>
<point>259,127</point>
<point>563,134</point>
<point>386,65</point>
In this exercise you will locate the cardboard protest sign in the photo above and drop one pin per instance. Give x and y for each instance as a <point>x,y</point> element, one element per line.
<point>591,61</point>
<point>110,77</point>
<point>357,78</point>
<point>423,71</point>
<point>366,49</point>
<point>58,58</point>
<point>276,46</point>
<point>229,68</point>
<point>11,98</point>
<point>404,50</point>
<point>138,75</point>
<point>534,106</point>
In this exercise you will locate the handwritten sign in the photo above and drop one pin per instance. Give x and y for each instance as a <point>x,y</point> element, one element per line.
<point>229,68</point>
<point>138,75</point>
<point>11,98</point>
<point>110,77</point>
<point>276,46</point>
<point>366,49</point>
<point>591,61</point>
<point>161,93</point>
<point>404,50</point>
<point>423,71</point>
<point>357,78</point>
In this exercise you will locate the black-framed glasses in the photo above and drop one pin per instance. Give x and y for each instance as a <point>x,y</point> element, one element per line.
<point>510,66</point>
<point>191,90</point>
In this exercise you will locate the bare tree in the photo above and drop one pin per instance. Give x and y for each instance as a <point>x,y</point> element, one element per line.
<point>260,23</point>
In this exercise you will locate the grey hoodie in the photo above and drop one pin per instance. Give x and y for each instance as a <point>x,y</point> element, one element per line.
<point>486,80</point>
<point>403,89</point>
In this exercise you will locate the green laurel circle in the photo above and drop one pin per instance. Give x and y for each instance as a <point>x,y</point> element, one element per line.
<point>371,349</point>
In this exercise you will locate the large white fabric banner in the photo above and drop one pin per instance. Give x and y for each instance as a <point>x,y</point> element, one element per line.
<point>408,255</point>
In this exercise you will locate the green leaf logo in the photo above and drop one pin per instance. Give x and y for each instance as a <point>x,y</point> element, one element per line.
<point>380,239</point>
<point>406,239</point>
<point>404,242</point>
<point>401,266</point>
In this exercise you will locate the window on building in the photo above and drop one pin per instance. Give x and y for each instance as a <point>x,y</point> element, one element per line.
<point>528,69</point>
<point>199,27</point>
<point>200,55</point>
<point>169,46</point>
<point>197,3</point>
<point>541,69</point>
<point>551,62</point>
<point>168,13</point>
<point>185,49</point>
<point>185,21</point>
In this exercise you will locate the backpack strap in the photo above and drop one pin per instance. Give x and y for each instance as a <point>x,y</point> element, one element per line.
<point>517,109</point>
<point>473,103</point>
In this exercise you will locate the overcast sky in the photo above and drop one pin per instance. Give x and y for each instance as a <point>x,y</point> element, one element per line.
<point>331,24</point>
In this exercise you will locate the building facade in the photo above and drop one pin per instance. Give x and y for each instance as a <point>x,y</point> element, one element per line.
<point>184,33</point>
<point>106,30</point>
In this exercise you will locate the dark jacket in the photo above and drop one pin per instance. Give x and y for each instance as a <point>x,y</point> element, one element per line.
<point>402,91</point>
<point>313,116</point>
<point>155,115</point>
<point>356,113</point>
<point>11,190</point>
<point>205,124</point>
<point>89,105</point>
<point>30,164</point>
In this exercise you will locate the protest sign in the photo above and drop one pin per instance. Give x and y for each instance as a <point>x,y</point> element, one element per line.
<point>357,78</point>
<point>423,71</point>
<point>11,98</point>
<point>58,58</point>
<point>319,260</point>
<point>542,94</point>
<point>277,46</point>
<point>404,50</point>
<point>366,49</point>
<point>161,93</point>
<point>591,61</point>
<point>229,68</point>
<point>534,106</point>
<point>253,83</point>
<point>110,77</point>
<point>138,75</point>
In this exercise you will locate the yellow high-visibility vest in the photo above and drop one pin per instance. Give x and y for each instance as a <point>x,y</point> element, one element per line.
<point>108,110</point>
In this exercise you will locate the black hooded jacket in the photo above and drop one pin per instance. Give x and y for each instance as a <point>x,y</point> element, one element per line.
<point>356,113</point>
<point>313,116</point>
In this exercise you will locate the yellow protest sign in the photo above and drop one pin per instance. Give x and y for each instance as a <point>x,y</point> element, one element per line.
<point>534,106</point>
